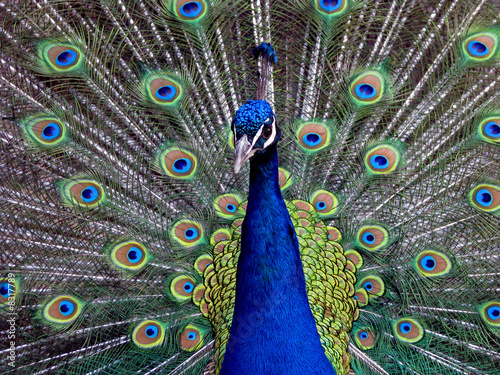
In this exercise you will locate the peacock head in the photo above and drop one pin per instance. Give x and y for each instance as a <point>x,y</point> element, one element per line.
<point>254,129</point>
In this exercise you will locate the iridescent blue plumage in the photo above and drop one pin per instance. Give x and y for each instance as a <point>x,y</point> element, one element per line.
<point>273,330</point>
<point>250,117</point>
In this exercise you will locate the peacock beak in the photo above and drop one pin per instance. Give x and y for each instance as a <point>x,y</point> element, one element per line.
<point>242,152</point>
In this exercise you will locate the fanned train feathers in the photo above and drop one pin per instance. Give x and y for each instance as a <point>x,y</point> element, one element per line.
<point>121,216</point>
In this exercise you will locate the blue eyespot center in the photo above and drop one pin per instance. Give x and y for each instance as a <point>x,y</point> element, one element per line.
<point>365,91</point>
<point>321,206</point>
<point>312,139</point>
<point>66,58</point>
<point>51,131</point>
<point>66,308</point>
<point>494,312</point>
<point>134,254</point>
<point>191,9</point>
<point>151,331</point>
<point>405,327</point>
<point>182,165</point>
<point>166,92</point>
<point>368,285</point>
<point>330,5</point>
<point>379,161</point>
<point>188,287</point>
<point>484,198</point>
<point>191,336</point>
<point>428,263</point>
<point>356,297</point>
<point>231,208</point>
<point>191,233</point>
<point>368,238</point>
<point>477,48</point>
<point>89,194</point>
<point>492,129</point>
<point>363,335</point>
<point>6,290</point>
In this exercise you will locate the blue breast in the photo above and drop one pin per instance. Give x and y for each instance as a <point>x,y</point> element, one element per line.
<point>273,330</point>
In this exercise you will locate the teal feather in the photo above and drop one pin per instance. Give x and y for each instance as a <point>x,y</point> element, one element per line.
<point>121,216</point>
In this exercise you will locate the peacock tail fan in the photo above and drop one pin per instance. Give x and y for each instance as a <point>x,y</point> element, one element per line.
<point>121,215</point>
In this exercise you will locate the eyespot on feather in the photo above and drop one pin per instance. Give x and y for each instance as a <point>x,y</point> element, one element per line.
<point>62,309</point>
<point>187,232</point>
<point>361,296</point>
<point>178,163</point>
<point>182,287</point>
<point>313,136</point>
<point>189,10</point>
<point>382,159</point>
<point>485,197</point>
<point>148,334</point>
<point>220,235</point>
<point>373,285</point>
<point>202,262</point>
<point>334,234</point>
<point>368,88</point>
<point>432,263</point>
<point>129,255</point>
<point>480,46</point>
<point>61,57</point>
<point>354,257</point>
<point>365,338</point>
<point>490,313</point>
<point>84,193</point>
<point>372,238</point>
<point>489,129</point>
<point>191,338</point>
<point>331,7</point>
<point>45,131</point>
<point>408,330</point>
<point>226,205</point>
<point>162,89</point>
<point>8,290</point>
<point>324,203</point>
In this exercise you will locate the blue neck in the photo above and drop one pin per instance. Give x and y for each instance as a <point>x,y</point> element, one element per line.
<point>273,330</point>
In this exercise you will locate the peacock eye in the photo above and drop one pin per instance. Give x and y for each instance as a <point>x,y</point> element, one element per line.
<point>267,131</point>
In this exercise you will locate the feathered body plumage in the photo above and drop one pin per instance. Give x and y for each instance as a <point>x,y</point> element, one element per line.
<point>129,244</point>
<point>272,319</point>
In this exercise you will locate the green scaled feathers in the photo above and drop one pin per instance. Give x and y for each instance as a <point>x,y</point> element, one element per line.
<point>330,280</point>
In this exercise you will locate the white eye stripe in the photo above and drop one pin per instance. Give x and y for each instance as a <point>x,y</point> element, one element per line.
<point>273,133</point>
<point>259,133</point>
<point>257,136</point>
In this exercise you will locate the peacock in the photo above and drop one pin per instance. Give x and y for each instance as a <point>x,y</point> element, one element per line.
<point>250,187</point>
